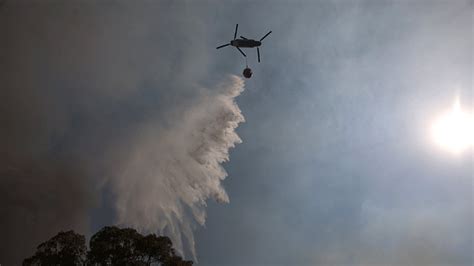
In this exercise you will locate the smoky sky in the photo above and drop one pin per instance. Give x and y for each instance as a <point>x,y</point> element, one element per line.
<point>335,165</point>
<point>86,88</point>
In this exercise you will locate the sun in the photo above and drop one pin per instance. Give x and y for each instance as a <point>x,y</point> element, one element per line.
<point>454,130</point>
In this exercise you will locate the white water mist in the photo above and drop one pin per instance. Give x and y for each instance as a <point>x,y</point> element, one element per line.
<point>170,172</point>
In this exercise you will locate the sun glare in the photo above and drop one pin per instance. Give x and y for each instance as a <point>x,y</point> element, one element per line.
<point>454,130</point>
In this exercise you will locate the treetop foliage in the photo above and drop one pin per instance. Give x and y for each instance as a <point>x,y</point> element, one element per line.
<point>110,246</point>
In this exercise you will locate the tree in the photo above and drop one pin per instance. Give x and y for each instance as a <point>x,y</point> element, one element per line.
<point>155,249</point>
<point>115,246</point>
<point>177,261</point>
<point>159,249</point>
<point>110,246</point>
<point>66,248</point>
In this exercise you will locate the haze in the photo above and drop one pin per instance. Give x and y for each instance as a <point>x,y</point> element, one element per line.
<point>337,165</point>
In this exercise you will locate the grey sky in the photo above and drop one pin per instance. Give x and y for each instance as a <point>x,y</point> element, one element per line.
<point>336,165</point>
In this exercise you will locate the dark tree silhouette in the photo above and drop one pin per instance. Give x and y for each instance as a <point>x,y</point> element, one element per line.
<point>110,246</point>
<point>114,246</point>
<point>155,249</point>
<point>66,248</point>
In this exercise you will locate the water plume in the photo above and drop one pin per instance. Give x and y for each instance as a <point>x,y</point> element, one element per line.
<point>169,172</point>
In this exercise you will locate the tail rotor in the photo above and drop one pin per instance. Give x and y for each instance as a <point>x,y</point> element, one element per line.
<point>222,46</point>
<point>235,36</point>
<point>265,35</point>
<point>235,33</point>
<point>261,39</point>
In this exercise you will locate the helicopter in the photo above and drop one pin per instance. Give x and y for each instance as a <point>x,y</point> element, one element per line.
<point>245,43</point>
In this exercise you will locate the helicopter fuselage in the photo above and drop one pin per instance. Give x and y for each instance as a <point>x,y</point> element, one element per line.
<point>246,43</point>
<point>243,42</point>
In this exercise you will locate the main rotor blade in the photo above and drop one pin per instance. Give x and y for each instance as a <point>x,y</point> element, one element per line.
<point>258,54</point>
<point>241,51</point>
<point>219,47</point>
<point>265,35</point>
<point>243,37</point>
<point>235,33</point>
